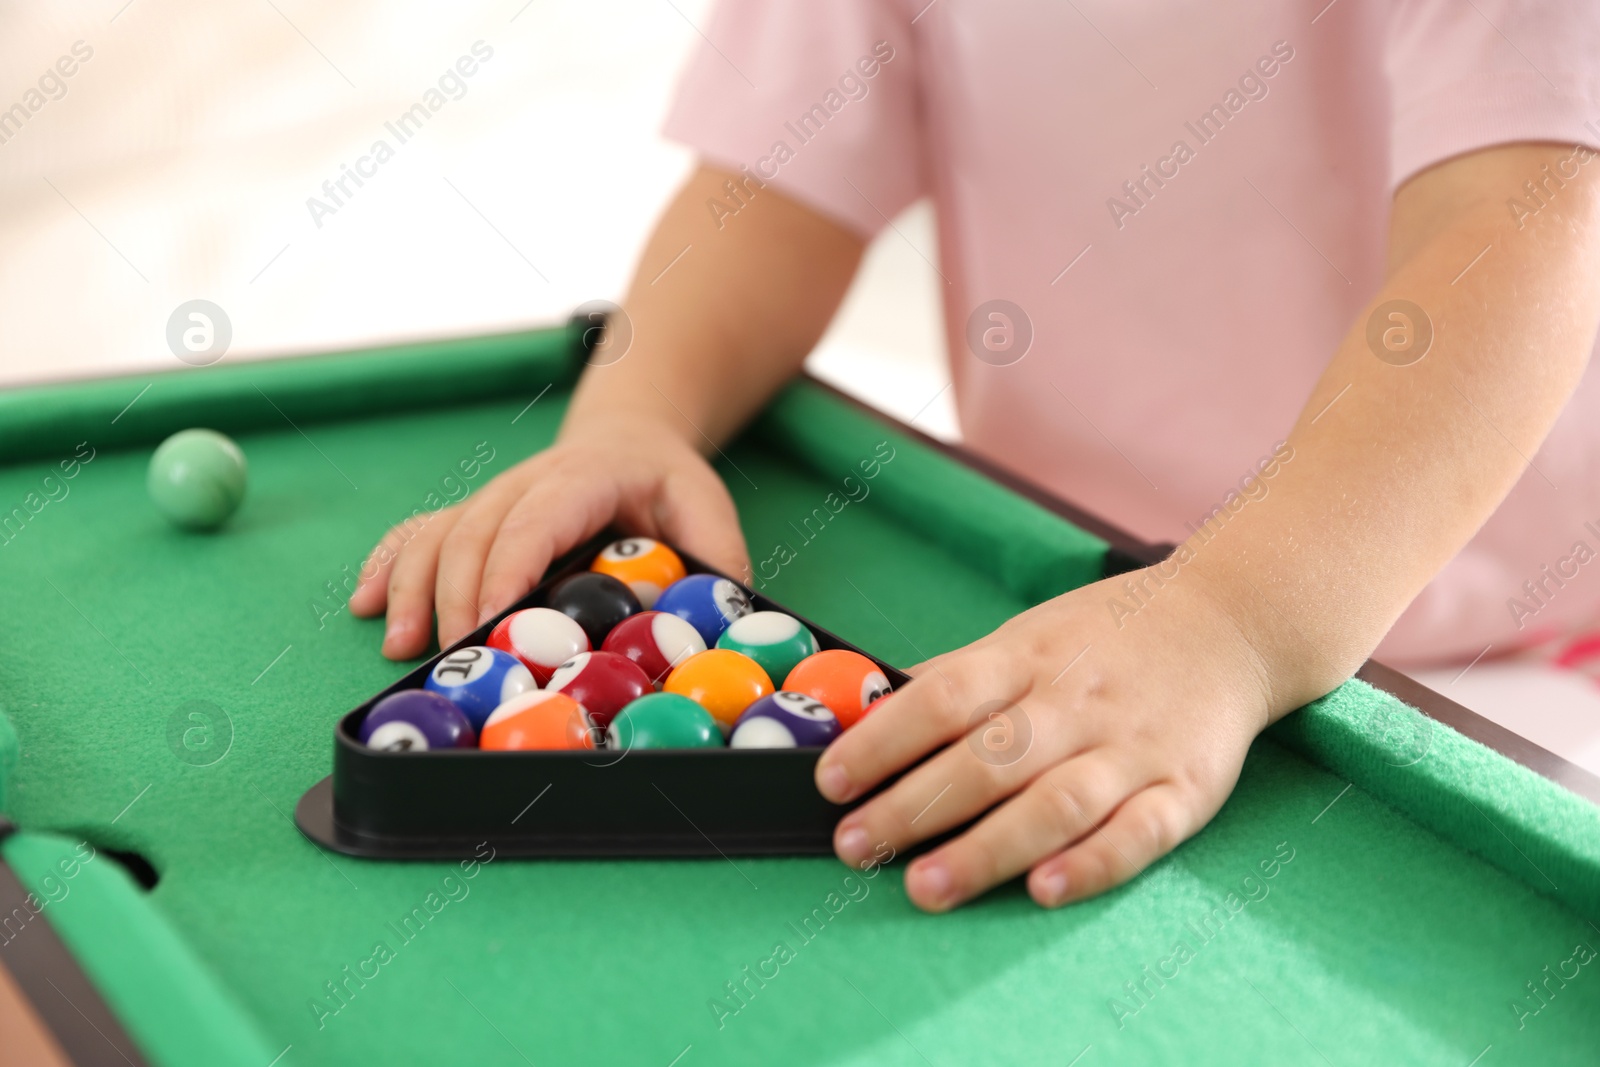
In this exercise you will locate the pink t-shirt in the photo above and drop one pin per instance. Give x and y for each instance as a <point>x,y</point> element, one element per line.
<point>1182,209</point>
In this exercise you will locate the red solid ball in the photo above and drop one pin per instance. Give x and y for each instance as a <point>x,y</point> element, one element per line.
<point>603,682</point>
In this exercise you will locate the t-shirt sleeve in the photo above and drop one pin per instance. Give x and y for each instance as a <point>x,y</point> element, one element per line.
<point>817,98</point>
<point>1468,74</point>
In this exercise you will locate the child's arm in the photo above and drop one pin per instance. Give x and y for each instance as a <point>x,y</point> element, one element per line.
<point>721,315</point>
<point>1139,722</point>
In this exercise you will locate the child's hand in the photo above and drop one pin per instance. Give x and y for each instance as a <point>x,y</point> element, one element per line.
<point>1103,747</point>
<point>473,560</point>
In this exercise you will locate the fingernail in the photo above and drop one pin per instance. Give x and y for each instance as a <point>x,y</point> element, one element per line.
<point>1053,888</point>
<point>395,631</point>
<point>834,783</point>
<point>931,883</point>
<point>853,847</point>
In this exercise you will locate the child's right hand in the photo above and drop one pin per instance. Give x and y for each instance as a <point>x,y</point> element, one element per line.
<point>471,561</point>
<point>726,327</point>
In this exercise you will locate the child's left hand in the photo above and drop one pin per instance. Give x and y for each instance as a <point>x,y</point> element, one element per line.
<point>1099,747</point>
<point>1117,756</point>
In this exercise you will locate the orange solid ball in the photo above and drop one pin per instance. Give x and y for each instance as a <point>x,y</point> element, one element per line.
<point>722,681</point>
<point>538,719</point>
<point>643,565</point>
<point>847,682</point>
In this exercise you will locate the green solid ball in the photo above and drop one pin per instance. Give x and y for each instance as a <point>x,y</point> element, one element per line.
<point>197,478</point>
<point>664,720</point>
<point>776,641</point>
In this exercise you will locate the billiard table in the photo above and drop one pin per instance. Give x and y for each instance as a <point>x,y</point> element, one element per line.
<point>1393,881</point>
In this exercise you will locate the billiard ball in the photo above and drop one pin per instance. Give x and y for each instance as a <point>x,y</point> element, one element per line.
<point>645,566</point>
<point>664,720</point>
<point>477,680</point>
<point>722,681</point>
<point>706,602</point>
<point>785,720</point>
<point>845,681</point>
<point>542,638</point>
<point>656,641</point>
<point>538,719</point>
<point>603,682</point>
<point>776,641</point>
<point>197,478</point>
<point>415,720</point>
<point>868,710</point>
<point>596,602</point>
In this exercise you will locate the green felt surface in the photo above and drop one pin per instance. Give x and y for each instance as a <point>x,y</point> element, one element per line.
<point>180,1013</point>
<point>1417,903</point>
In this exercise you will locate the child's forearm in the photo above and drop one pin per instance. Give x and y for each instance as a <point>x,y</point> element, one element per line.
<point>1394,467</point>
<point>722,309</point>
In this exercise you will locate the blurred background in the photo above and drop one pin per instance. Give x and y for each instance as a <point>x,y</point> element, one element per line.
<point>176,163</point>
<point>177,160</point>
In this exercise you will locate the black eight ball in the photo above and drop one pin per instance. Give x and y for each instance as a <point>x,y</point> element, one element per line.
<point>596,602</point>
